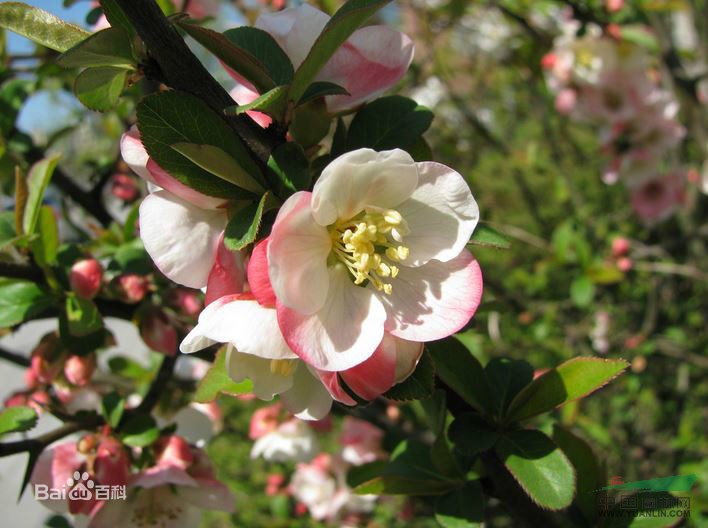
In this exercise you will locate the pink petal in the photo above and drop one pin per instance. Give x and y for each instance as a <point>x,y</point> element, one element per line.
<point>330,380</point>
<point>227,276</point>
<point>407,356</point>
<point>243,95</point>
<point>258,278</point>
<point>160,475</point>
<point>163,179</point>
<point>134,153</point>
<point>54,467</point>
<point>377,374</point>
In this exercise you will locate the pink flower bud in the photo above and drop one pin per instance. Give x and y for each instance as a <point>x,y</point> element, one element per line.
<point>620,247</point>
<point>264,421</point>
<point>79,369</point>
<point>187,301</point>
<point>624,264</point>
<point>174,451</point>
<point>124,187</point>
<point>566,101</point>
<point>45,362</point>
<point>133,287</point>
<point>614,31</point>
<point>85,278</point>
<point>274,482</point>
<point>549,61</point>
<point>614,5</point>
<point>158,333</point>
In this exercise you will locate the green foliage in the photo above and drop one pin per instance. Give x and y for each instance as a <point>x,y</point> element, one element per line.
<point>99,88</point>
<point>418,385</point>
<point>21,300</point>
<point>217,381</point>
<point>486,236</point>
<point>17,419</point>
<point>472,435</point>
<point>44,247</point>
<point>40,26</point>
<point>243,226</point>
<point>37,181</point>
<point>462,508</point>
<point>140,431</point>
<point>272,103</point>
<point>321,89</point>
<point>109,47</point>
<point>290,164</point>
<point>112,408</point>
<point>82,316</point>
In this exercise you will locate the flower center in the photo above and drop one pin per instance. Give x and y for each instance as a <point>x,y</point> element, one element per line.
<point>369,245</point>
<point>284,367</point>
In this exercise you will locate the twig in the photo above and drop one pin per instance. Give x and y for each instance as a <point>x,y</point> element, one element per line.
<point>14,357</point>
<point>21,271</point>
<point>669,268</point>
<point>39,443</point>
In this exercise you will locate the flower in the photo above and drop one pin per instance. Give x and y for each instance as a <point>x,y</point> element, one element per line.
<point>658,196</point>
<point>292,440</point>
<point>264,421</point>
<point>361,441</point>
<point>377,247</point>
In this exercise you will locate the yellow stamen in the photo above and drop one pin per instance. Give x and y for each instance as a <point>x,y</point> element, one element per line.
<point>284,367</point>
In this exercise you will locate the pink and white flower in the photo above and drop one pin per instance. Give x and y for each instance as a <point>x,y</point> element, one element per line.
<point>292,440</point>
<point>658,196</point>
<point>361,441</point>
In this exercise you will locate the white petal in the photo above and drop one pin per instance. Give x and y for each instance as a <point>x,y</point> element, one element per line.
<point>208,495</point>
<point>297,256</point>
<point>308,399</point>
<point>363,178</point>
<point>441,215</point>
<point>266,384</point>
<point>180,237</point>
<point>345,332</point>
<point>134,154</point>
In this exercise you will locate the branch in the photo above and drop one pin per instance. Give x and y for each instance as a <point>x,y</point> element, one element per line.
<point>14,357</point>
<point>21,271</point>
<point>39,443</point>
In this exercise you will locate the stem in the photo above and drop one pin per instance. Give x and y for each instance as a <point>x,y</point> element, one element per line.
<point>39,443</point>
<point>14,357</point>
<point>21,271</point>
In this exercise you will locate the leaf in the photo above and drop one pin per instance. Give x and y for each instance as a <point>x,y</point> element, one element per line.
<point>461,371</point>
<point>462,508</point>
<point>100,88</point>
<point>112,408</point>
<point>20,300</point>
<point>82,316</point>
<point>116,17</point>
<point>582,291</point>
<point>220,164</point>
<point>172,117</point>
<point>108,47</point>
<point>359,474</point>
<point>640,35</point>
<point>132,258</point>
<point>572,380</point>
<point>37,181</point>
<point>40,27</point>
<point>289,163</point>
<point>21,197</point>
<point>435,409</point>
<point>506,378</point>
<point>273,103</point>
<point>251,52</point>
<point>310,123</point>
<point>387,123</point>
<point>217,381</point>
<point>321,89</point>
<point>140,431</point>
<point>44,248</point>
<point>471,434</point>
<point>131,223</point>
<point>339,28</point>
<point>487,237</point>
<point>129,368</point>
<point>540,468</point>
<point>7,228</point>
<point>18,418</point>
<point>243,227</point>
<point>418,385</point>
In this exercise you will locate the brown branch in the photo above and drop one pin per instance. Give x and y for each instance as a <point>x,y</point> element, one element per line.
<point>14,357</point>
<point>21,271</point>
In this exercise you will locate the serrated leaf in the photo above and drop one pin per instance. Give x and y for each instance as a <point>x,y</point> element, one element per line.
<point>82,316</point>
<point>16,419</point>
<point>220,164</point>
<point>539,466</point>
<point>339,28</point>
<point>100,88</point>
<point>37,181</point>
<point>289,163</point>
<point>168,118</point>
<point>44,247</point>
<point>570,381</point>
<point>112,408</point>
<point>272,103</point>
<point>20,300</point>
<point>243,227</point>
<point>321,89</point>
<point>435,409</point>
<point>387,123</point>
<point>506,378</point>
<point>471,434</point>
<point>217,381</point>
<point>140,431</point>
<point>488,237</point>
<point>418,385</point>
<point>251,52</point>
<point>40,27</point>
<point>108,47</point>
<point>462,508</point>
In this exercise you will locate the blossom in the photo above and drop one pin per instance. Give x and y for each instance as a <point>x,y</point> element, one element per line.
<point>361,441</point>
<point>85,278</point>
<point>377,248</point>
<point>656,197</point>
<point>79,369</point>
<point>292,440</point>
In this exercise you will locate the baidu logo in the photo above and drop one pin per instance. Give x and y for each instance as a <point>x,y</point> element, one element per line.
<point>79,487</point>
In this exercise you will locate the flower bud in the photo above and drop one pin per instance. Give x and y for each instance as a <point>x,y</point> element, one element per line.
<point>624,264</point>
<point>158,333</point>
<point>133,287</point>
<point>111,465</point>
<point>173,450</point>
<point>79,369</point>
<point>124,187</point>
<point>620,247</point>
<point>186,301</point>
<point>85,278</point>
<point>614,5</point>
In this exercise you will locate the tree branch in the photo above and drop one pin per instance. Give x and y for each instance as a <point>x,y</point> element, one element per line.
<point>21,271</point>
<point>14,357</point>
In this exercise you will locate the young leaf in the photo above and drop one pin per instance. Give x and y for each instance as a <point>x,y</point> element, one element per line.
<point>387,123</point>
<point>19,418</point>
<point>418,385</point>
<point>471,434</point>
<point>582,291</point>
<point>44,248</point>
<point>112,408</point>
<point>20,300</point>
<point>37,181</point>
<point>251,52</point>
<point>99,88</point>
<point>321,89</point>
<point>217,381</point>
<point>506,378</point>
<point>82,316</point>
<point>168,118</point>
<point>243,227</point>
<point>40,27</point>
<point>140,431</point>
<point>339,28</point>
<point>108,47</point>
<point>462,508</point>
<point>488,237</point>
<point>570,381</point>
<point>272,102</point>
<point>540,468</point>
<point>289,163</point>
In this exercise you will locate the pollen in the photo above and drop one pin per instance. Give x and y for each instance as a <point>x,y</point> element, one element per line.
<point>370,245</point>
<point>284,367</point>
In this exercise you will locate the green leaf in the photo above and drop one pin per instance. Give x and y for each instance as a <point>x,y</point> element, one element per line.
<point>653,510</point>
<point>487,237</point>
<point>640,35</point>
<point>435,409</point>
<point>40,27</point>
<point>418,385</point>
<point>540,468</point>
<point>19,418</point>
<point>387,123</point>
<point>321,89</point>
<point>506,378</point>
<point>570,381</point>
<point>251,52</point>
<point>310,123</point>
<point>8,235</point>
<point>289,163</point>
<point>140,431</point>
<point>20,300</point>
<point>365,472</point>
<point>471,434</point>
<point>339,28</point>
<point>461,371</point>
<point>132,258</point>
<point>82,316</point>
<point>100,88</point>
<point>462,508</point>
<point>168,118</point>
<point>129,368</point>
<point>582,291</point>
<point>420,150</point>
<point>131,223</point>
<point>443,461</point>
<point>44,248</point>
<point>37,181</point>
<point>273,103</point>
<point>112,408</point>
<point>243,227</point>
<point>116,17</point>
<point>220,164</point>
<point>217,380</point>
<point>108,47</point>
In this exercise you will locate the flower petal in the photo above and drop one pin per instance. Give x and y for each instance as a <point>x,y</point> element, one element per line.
<point>370,62</point>
<point>308,399</point>
<point>407,356</point>
<point>435,300</point>
<point>345,332</point>
<point>441,215</point>
<point>165,180</point>
<point>363,178</point>
<point>266,384</point>
<point>297,256</point>
<point>330,381</point>
<point>377,374</point>
<point>180,237</point>
<point>134,154</point>
<point>243,95</point>
<point>209,495</point>
<point>258,278</point>
<point>227,276</point>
